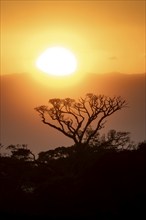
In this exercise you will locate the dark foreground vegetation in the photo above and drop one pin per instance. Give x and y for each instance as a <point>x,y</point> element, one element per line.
<point>77,182</point>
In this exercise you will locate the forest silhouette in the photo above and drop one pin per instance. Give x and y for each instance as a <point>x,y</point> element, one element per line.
<point>98,179</point>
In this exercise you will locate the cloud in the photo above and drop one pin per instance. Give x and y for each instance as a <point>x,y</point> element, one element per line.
<point>113,58</point>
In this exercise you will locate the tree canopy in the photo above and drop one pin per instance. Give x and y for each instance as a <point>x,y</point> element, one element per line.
<point>80,120</point>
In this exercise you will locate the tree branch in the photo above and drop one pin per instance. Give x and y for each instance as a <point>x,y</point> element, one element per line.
<point>75,118</point>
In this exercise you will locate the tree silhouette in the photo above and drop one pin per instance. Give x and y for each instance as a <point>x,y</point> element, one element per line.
<point>113,139</point>
<point>21,152</point>
<point>80,120</point>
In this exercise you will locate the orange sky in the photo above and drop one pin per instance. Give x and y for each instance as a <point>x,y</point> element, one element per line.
<point>105,36</point>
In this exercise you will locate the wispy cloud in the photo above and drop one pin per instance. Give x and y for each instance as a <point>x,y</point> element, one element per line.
<point>113,58</point>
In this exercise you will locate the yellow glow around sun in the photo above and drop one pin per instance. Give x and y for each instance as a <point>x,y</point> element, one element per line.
<point>57,61</point>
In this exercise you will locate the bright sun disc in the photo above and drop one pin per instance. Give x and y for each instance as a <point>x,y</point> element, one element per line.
<point>57,61</point>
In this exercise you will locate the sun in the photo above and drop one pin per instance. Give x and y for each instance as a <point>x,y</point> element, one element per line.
<point>57,61</point>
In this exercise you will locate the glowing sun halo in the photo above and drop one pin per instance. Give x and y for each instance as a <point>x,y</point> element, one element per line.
<point>57,61</point>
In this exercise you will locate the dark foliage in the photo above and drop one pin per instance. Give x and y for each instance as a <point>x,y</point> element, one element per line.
<point>77,182</point>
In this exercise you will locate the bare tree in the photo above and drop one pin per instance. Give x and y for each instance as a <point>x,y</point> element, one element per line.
<point>80,120</point>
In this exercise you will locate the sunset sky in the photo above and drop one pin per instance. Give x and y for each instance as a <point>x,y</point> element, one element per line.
<point>108,40</point>
<point>105,36</point>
